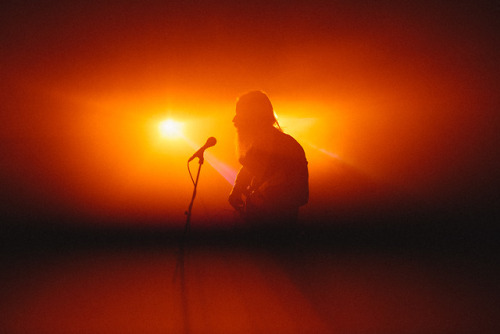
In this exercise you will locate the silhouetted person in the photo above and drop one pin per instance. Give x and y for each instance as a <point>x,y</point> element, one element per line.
<point>273,181</point>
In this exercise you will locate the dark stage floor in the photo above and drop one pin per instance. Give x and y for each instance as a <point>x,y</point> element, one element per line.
<point>344,280</point>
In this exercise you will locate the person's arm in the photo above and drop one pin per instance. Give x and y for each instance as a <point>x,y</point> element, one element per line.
<point>240,187</point>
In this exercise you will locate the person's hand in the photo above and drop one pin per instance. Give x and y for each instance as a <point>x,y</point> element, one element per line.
<point>236,201</point>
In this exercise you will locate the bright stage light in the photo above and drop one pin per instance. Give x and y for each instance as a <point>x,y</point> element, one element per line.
<point>170,129</point>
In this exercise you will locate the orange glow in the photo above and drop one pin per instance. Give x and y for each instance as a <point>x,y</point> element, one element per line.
<point>170,129</point>
<point>125,169</point>
<point>102,103</point>
<point>96,118</point>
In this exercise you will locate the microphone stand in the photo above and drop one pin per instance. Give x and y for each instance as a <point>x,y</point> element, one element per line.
<point>180,259</point>
<point>190,208</point>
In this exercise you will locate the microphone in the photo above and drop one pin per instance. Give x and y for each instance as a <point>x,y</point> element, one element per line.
<point>210,142</point>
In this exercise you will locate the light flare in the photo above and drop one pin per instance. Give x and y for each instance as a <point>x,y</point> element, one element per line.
<point>324,151</point>
<point>171,129</point>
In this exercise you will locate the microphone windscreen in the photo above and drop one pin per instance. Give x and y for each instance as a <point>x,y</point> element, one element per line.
<point>211,142</point>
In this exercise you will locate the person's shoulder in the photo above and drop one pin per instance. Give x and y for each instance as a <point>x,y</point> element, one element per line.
<point>290,143</point>
<point>285,137</point>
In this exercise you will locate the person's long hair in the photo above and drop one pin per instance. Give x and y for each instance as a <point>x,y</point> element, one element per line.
<point>258,120</point>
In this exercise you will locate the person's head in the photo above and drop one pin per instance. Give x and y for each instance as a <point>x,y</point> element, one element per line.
<point>254,111</point>
<point>254,120</point>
